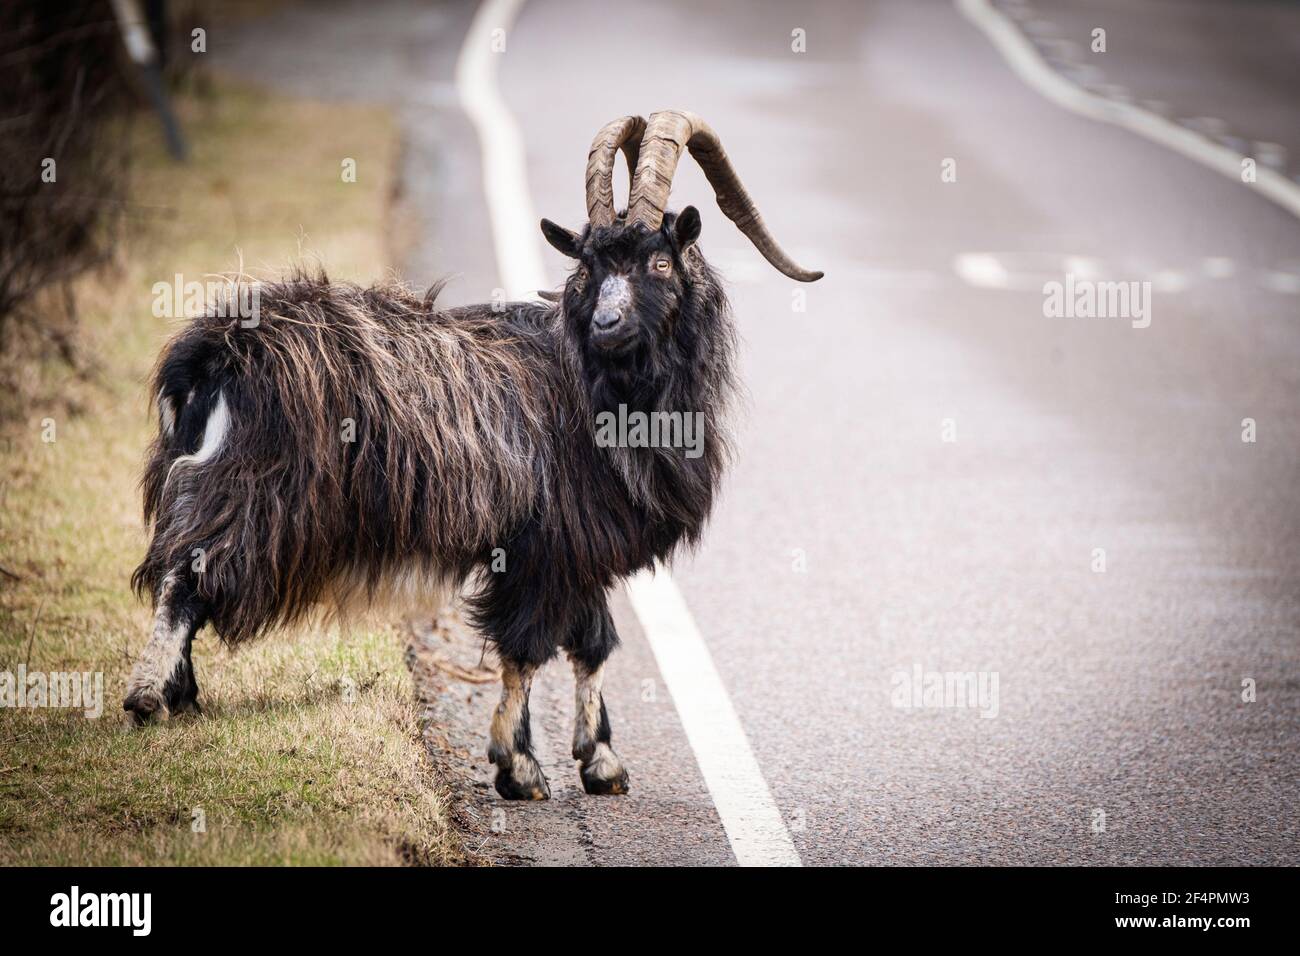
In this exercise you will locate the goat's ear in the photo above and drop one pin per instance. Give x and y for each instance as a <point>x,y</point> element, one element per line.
<point>687,227</point>
<point>563,240</point>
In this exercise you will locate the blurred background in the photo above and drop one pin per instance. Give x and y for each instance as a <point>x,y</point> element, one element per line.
<point>937,474</point>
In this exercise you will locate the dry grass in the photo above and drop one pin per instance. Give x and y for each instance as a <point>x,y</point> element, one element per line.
<point>285,766</point>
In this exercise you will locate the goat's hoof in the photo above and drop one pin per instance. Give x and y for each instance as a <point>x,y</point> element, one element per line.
<point>604,786</point>
<point>512,789</point>
<point>522,779</point>
<point>603,775</point>
<point>145,704</point>
<point>188,706</point>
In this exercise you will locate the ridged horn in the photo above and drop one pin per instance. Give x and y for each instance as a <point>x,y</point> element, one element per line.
<point>622,134</point>
<point>666,134</point>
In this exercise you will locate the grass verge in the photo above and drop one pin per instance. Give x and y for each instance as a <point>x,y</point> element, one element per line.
<point>309,750</point>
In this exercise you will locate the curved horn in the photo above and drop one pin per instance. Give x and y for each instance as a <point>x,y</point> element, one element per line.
<point>622,133</point>
<point>667,133</point>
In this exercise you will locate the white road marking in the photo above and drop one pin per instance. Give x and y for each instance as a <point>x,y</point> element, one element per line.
<point>1020,54</point>
<point>1218,267</point>
<point>1288,283</point>
<point>1083,267</point>
<point>1027,271</point>
<point>510,205</point>
<point>753,823</point>
<point>981,269</point>
<point>1168,280</point>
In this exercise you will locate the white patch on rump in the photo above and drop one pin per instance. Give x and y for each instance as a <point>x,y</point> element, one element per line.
<point>168,413</point>
<point>214,434</point>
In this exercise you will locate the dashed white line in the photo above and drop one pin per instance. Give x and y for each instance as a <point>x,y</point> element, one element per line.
<point>754,827</point>
<point>981,269</point>
<point>1025,60</point>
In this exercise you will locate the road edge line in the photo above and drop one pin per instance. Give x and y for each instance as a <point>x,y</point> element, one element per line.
<point>1026,62</point>
<point>754,826</point>
<point>752,822</point>
<point>501,151</point>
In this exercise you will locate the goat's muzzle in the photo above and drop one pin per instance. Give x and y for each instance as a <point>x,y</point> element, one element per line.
<point>611,325</point>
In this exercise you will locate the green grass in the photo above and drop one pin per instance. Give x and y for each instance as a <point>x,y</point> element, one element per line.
<point>285,766</point>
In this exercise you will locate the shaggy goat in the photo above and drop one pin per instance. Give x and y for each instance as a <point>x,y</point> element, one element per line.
<point>360,445</point>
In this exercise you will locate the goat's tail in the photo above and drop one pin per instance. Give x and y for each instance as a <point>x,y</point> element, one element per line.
<point>193,422</point>
<point>215,512</point>
<point>352,438</point>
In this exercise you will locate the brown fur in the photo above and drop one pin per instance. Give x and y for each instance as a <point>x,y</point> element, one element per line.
<point>450,428</point>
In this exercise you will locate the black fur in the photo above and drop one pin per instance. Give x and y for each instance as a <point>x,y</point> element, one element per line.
<point>475,432</point>
<point>563,563</point>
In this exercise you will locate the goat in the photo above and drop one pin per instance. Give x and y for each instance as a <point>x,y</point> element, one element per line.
<point>361,445</point>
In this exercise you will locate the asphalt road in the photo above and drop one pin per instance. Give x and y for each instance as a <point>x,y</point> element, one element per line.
<point>855,543</point>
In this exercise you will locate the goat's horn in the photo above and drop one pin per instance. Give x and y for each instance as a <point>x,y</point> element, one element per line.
<point>667,133</point>
<point>622,133</point>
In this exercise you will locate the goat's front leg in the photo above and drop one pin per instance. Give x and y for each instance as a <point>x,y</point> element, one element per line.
<point>519,776</point>
<point>162,683</point>
<point>590,645</point>
<point>601,770</point>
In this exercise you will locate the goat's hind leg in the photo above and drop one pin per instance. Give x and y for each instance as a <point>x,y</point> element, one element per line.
<point>162,683</point>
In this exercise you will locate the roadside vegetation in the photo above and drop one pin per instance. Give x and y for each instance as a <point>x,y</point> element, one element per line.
<point>309,750</point>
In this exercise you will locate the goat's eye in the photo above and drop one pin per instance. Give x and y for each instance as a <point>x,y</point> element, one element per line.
<point>663,265</point>
<point>581,275</point>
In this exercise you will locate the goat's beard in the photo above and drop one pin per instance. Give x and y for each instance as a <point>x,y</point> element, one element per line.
<point>635,376</point>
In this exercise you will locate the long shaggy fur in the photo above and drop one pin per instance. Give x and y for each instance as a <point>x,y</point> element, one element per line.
<point>473,430</point>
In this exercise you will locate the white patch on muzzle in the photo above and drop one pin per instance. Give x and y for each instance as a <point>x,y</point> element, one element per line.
<point>615,294</point>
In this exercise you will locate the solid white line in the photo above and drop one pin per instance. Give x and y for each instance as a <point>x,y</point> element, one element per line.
<point>750,817</point>
<point>510,205</point>
<point>1025,60</point>
<point>753,823</point>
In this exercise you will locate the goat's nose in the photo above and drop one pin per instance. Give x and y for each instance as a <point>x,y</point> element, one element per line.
<point>615,299</point>
<point>606,319</point>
